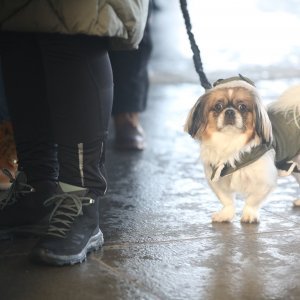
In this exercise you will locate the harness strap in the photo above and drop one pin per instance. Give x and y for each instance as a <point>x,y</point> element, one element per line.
<point>287,167</point>
<point>246,159</point>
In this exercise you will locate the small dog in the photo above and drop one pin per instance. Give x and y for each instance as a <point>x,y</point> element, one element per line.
<point>244,146</point>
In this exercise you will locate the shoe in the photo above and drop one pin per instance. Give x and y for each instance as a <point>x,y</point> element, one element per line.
<point>22,205</point>
<point>73,231</point>
<point>8,154</point>
<point>129,134</point>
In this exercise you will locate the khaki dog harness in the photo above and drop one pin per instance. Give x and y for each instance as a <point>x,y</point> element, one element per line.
<point>286,143</point>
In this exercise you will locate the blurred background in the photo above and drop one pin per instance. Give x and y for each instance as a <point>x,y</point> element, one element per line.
<point>257,38</point>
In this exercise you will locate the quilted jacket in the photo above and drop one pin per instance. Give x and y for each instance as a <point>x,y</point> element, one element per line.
<point>123,20</point>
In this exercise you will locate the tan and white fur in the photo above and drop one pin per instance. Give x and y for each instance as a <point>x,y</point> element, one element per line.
<point>229,120</point>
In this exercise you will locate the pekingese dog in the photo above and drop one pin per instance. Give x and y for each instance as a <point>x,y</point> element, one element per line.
<point>244,146</point>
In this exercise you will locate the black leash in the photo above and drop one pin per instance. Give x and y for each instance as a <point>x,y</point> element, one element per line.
<point>196,52</point>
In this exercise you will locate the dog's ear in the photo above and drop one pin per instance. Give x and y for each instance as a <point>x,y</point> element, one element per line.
<point>197,118</point>
<point>263,126</point>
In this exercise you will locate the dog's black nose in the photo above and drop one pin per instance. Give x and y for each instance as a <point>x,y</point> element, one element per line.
<point>229,113</point>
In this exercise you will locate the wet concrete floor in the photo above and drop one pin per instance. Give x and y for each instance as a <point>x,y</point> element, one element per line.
<point>156,216</point>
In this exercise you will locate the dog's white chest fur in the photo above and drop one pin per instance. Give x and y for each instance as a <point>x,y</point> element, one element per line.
<point>224,147</point>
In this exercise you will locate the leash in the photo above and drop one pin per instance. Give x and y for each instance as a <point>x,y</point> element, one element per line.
<point>196,52</point>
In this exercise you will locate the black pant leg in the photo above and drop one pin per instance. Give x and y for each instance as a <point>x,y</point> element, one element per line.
<point>131,81</point>
<point>79,91</point>
<point>25,89</point>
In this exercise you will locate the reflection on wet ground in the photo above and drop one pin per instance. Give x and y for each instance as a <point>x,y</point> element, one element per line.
<point>156,216</point>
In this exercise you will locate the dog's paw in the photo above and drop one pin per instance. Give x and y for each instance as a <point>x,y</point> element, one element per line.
<point>224,215</point>
<point>250,215</point>
<point>297,202</point>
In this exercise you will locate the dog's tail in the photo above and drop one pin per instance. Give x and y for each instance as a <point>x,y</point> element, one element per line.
<point>288,101</point>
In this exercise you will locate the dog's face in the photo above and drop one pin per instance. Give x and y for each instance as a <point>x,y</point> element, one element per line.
<point>234,109</point>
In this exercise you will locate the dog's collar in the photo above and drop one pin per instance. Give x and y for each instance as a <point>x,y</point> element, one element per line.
<point>246,159</point>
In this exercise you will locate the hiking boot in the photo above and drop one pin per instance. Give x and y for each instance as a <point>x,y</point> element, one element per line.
<point>22,204</point>
<point>73,231</point>
<point>129,134</point>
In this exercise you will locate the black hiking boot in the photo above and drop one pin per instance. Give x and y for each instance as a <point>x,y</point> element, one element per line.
<point>73,231</point>
<point>22,207</point>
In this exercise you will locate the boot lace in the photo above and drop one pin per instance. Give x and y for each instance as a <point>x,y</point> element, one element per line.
<point>18,188</point>
<point>67,208</point>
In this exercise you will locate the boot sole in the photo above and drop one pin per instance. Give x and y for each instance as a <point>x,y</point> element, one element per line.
<point>43,256</point>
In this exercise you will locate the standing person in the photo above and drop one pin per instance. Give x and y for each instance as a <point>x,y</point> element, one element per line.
<point>59,87</point>
<point>131,84</point>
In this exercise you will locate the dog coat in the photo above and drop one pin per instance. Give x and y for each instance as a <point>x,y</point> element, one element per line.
<point>286,135</point>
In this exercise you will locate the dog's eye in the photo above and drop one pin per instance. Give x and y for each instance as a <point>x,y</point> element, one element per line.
<point>242,107</point>
<point>218,107</point>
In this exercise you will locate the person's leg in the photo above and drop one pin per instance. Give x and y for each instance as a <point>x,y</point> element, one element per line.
<point>131,83</point>
<point>27,102</point>
<point>24,84</point>
<point>80,92</point>
<point>79,85</point>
